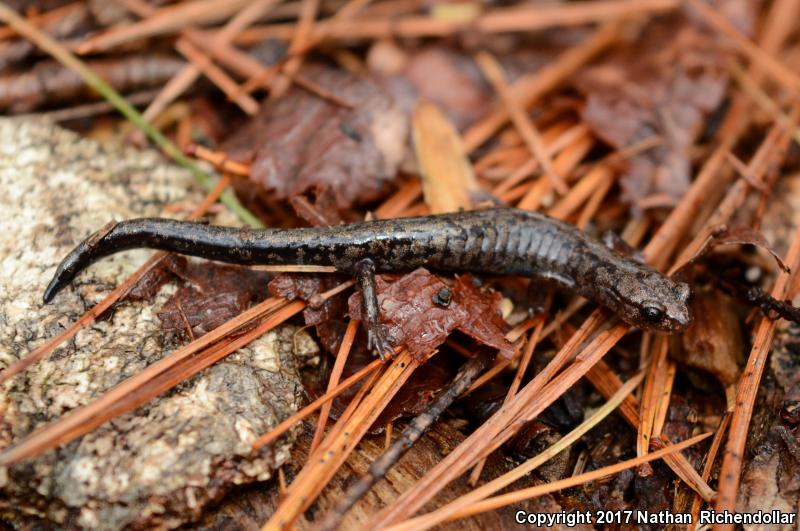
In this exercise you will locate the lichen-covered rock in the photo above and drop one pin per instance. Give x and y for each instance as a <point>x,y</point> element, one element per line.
<point>159,465</point>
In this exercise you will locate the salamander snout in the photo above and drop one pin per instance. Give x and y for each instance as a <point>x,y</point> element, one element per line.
<point>669,312</point>
<point>651,301</point>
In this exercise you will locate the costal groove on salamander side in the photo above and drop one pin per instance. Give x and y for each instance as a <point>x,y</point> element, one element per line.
<point>493,241</point>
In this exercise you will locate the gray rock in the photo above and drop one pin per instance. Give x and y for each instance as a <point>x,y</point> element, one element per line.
<point>159,465</point>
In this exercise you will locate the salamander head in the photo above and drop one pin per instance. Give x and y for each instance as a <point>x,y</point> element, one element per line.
<point>651,301</point>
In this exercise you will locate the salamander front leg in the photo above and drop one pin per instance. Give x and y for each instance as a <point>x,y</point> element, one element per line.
<point>376,335</point>
<point>614,241</point>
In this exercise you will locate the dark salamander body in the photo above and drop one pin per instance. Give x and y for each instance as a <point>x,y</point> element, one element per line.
<point>493,241</point>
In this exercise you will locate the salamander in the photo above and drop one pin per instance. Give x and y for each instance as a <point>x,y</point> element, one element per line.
<point>498,241</point>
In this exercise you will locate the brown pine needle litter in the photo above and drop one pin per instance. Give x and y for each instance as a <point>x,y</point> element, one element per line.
<point>537,141</point>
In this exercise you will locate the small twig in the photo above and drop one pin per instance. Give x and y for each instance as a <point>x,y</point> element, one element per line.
<point>305,26</point>
<point>529,88</point>
<point>120,398</point>
<point>219,159</point>
<point>183,80</point>
<point>564,163</point>
<point>771,307</point>
<point>281,428</point>
<point>766,61</point>
<point>87,110</point>
<point>711,456</point>
<point>340,442</point>
<point>218,76</point>
<point>410,435</point>
<point>762,99</point>
<point>528,17</point>
<point>443,514</point>
<point>651,394</point>
<point>605,381</point>
<point>264,77</point>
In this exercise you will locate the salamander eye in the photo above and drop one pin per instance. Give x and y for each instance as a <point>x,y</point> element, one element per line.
<point>653,313</point>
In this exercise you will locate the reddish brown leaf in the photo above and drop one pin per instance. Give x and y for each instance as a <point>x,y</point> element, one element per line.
<point>665,85</point>
<point>484,322</point>
<point>213,295</point>
<point>421,309</point>
<point>301,141</point>
<point>307,287</point>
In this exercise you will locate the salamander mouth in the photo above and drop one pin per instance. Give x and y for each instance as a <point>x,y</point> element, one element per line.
<point>678,324</point>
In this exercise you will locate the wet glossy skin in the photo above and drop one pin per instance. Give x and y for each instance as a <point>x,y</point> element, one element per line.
<point>493,241</point>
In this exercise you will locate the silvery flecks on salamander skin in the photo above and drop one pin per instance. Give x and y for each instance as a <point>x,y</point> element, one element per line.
<point>492,241</point>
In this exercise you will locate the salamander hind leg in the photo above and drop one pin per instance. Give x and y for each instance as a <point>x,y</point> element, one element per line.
<point>376,334</point>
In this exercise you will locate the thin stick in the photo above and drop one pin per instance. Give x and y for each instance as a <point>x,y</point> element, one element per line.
<point>219,159</point>
<point>217,76</point>
<point>531,87</point>
<point>539,490</point>
<point>554,145</point>
<point>410,435</point>
<point>597,178</point>
<point>607,383</point>
<point>524,18</point>
<point>711,456</point>
<point>664,398</point>
<point>762,99</point>
<point>529,402</point>
<point>594,202</point>
<point>305,26</point>
<point>335,449</point>
<point>184,79</point>
<point>294,268</point>
<point>305,42</point>
<point>39,19</point>
<point>85,418</point>
<point>166,20</point>
<point>651,394</point>
<point>565,163</point>
<point>444,513</point>
<point>527,354</point>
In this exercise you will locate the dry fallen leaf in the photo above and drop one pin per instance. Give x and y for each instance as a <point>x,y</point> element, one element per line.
<point>420,310</point>
<point>301,141</point>
<point>665,85</point>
